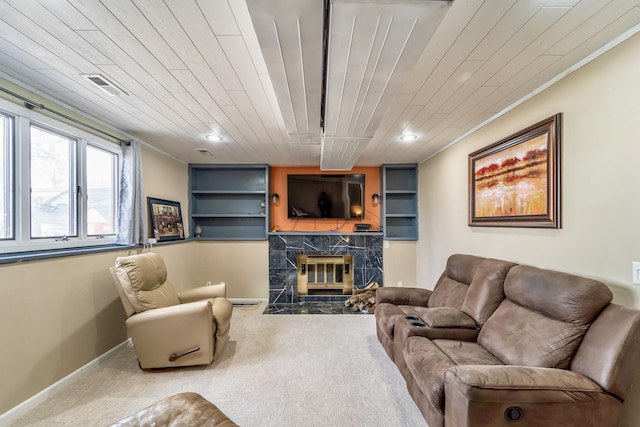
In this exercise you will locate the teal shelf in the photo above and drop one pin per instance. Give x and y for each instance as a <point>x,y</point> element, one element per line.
<point>229,202</point>
<point>400,201</point>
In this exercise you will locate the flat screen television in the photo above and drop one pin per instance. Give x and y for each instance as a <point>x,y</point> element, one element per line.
<point>322,196</point>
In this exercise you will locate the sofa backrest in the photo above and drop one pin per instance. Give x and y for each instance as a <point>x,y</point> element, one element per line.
<point>143,279</point>
<point>486,290</point>
<point>451,288</point>
<point>610,351</point>
<point>543,318</point>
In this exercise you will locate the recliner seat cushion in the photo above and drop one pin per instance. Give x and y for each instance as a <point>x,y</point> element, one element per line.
<point>428,360</point>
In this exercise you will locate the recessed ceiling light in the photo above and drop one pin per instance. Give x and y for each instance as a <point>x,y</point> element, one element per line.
<point>407,138</point>
<point>214,138</point>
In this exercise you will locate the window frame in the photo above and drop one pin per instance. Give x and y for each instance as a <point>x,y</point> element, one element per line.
<point>9,161</point>
<point>22,241</point>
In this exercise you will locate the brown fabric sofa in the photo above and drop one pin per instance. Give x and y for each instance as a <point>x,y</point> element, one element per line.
<point>555,352</point>
<point>466,294</point>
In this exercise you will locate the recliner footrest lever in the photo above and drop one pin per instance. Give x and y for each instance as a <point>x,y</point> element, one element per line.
<point>176,356</point>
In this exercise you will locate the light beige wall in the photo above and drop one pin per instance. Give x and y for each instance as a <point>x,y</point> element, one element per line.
<point>399,263</point>
<point>600,236</point>
<point>243,266</point>
<point>600,208</point>
<point>166,178</point>
<point>57,315</point>
<point>61,313</point>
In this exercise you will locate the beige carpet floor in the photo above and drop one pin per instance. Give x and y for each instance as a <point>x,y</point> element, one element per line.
<point>276,370</point>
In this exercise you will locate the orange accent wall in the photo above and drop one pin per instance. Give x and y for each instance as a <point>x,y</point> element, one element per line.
<point>280,221</point>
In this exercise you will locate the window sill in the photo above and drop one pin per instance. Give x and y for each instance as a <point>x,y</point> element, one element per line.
<point>16,257</point>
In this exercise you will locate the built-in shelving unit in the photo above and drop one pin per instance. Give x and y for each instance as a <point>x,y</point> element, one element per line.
<point>400,201</point>
<point>229,202</point>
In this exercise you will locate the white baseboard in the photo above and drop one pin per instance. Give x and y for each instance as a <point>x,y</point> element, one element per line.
<point>12,415</point>
<point>247,301</point>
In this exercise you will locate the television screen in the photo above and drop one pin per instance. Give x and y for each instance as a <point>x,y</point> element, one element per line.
<point>326,196</point>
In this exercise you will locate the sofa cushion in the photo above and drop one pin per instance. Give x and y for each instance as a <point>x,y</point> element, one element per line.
<point>486,290</point>
<point>453,284</point>
<point>557,295</point>
<point>427,361</point>
<point>466,353</point>
<point>445,317</point>
<point>544,318</point>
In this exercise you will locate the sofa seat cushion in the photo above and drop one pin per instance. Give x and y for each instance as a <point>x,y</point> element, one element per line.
<point>467,353</point>
<point>427,361</point>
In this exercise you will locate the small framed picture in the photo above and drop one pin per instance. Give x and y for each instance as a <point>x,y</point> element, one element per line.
<point>166,219</point>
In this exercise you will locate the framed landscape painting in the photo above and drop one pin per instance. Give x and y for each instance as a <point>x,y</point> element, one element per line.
<point>166,219</point>
<point>515,182</point>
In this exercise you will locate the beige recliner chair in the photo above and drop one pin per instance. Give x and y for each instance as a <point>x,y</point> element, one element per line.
<point>170,329</point>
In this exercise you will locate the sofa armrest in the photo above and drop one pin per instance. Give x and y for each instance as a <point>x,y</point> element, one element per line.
<point>476,394</point>
<point>445,317</point>
<point>159,333</point>
<point>203,292</point>
<point>403,296</point>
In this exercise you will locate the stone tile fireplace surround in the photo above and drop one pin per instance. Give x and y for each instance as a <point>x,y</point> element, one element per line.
<point>284,249</point>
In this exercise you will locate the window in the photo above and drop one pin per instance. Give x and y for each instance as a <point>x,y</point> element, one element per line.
<point>66,181</point>
<point>53,184</point>
<point>6,194</point>
<point>102,168</point>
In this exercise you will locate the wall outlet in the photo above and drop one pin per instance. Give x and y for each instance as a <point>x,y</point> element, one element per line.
<point>208,282</point>
<point>400,284</point>
<point>635,267</point>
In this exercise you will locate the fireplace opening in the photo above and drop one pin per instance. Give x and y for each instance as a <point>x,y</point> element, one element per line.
<point>325,275</point>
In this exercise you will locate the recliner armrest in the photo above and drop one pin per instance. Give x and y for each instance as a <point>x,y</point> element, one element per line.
<point>403,296</point>
<point>534,396</point>
<point>203,292</point>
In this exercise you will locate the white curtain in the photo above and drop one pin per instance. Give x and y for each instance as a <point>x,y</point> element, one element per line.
<point>132,219</point>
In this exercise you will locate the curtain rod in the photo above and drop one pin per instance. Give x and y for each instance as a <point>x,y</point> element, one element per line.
<point>32,105</point>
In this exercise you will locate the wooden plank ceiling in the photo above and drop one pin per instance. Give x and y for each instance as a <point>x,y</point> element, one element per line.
<point>191,68</point>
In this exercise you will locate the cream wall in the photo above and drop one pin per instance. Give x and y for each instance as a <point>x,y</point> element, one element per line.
<point>166,178</point>
<point>600,235</point>
<point>399,263</point>
<point>60,314</point>
<point>243,266</point>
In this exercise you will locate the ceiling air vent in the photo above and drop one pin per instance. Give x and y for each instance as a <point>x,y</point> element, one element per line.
<point>104,84</point>
<point>204,151</point>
